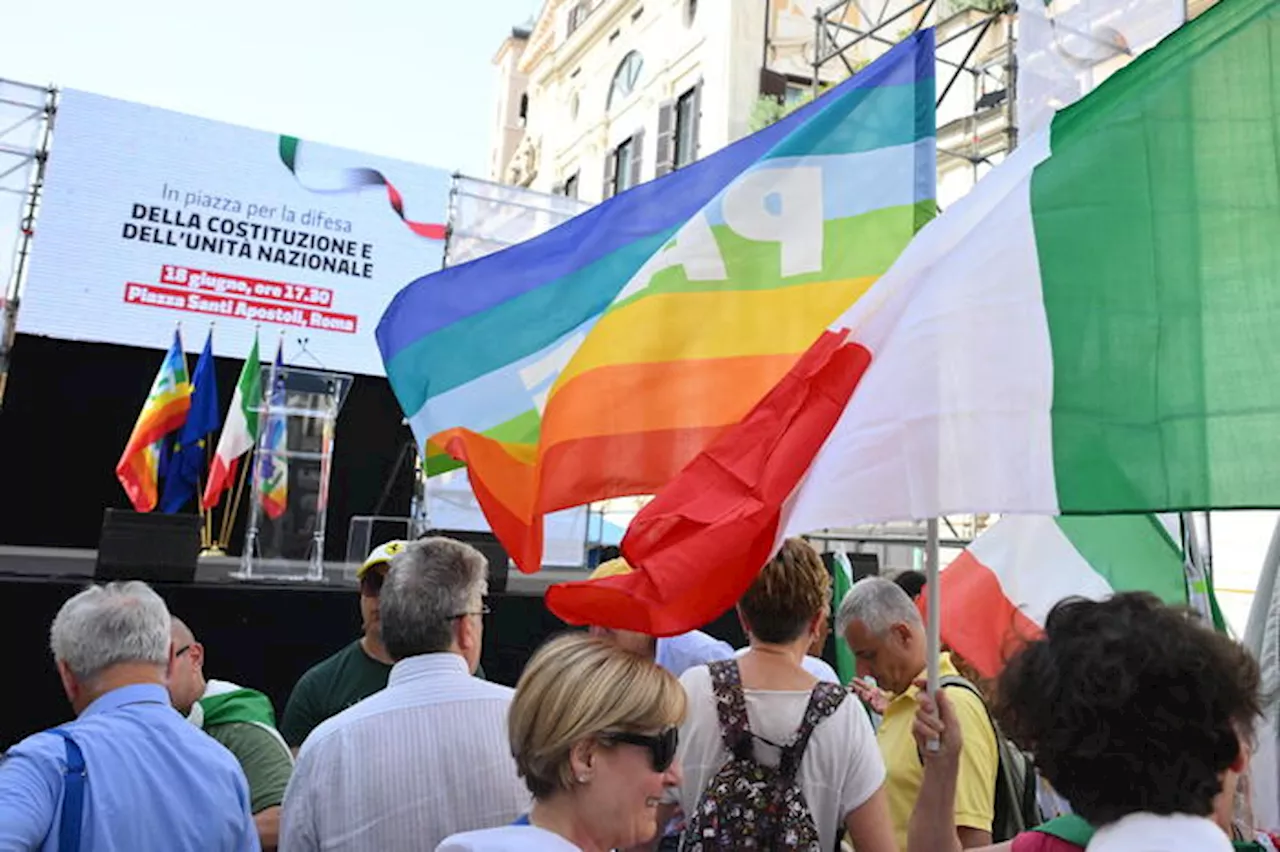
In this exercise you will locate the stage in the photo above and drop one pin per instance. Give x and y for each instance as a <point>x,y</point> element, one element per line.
<point>260,634</point>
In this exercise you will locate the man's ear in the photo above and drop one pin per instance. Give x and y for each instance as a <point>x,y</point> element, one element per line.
<point>69,683</point>
<point>902,633</point>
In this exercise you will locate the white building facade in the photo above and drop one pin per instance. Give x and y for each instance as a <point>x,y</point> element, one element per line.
<point>598,95</point>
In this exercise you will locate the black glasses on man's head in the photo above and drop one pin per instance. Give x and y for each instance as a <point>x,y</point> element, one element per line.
<point>662,747</point>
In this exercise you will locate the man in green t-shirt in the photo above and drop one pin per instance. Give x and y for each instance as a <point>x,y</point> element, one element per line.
<point>353,673</point>
<point>243,721</point>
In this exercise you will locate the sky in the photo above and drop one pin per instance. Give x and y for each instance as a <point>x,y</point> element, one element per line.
<point>400,78</point>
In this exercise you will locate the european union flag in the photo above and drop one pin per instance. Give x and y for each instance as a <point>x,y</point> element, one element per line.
<point>183,469</point>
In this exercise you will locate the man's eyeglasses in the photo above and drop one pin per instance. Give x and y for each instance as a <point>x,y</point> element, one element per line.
<point>662,747</point>
<point>184,649</point>
<point>484,610</point>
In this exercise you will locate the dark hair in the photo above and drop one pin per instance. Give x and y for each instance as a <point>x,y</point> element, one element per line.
<point>911,582</point>
<point>1130,706</point>
<point>789,591</point>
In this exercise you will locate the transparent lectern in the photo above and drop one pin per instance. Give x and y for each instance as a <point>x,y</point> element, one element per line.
<point>284,536</point>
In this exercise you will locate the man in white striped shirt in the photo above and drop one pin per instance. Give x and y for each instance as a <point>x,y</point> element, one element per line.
<point>428,756</point>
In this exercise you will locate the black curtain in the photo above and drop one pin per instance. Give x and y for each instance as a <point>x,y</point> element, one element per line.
<point>69,409</point>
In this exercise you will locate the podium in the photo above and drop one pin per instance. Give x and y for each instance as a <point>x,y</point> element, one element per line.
<point>292,461</point>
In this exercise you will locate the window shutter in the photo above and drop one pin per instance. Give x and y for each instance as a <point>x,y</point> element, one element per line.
<point>610,173</point>
<point>665,147</point>
<point>637,156</point>
<point>773,84</point>
<point>697,119</point>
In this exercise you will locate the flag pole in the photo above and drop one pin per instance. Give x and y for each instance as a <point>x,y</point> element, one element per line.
<point>229,515</point>
<point>933,633</point>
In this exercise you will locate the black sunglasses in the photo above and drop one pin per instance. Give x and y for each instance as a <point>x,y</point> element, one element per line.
<point>662,747</point>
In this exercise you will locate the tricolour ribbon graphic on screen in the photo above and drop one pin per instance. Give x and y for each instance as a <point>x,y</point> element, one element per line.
<point>347,180</point>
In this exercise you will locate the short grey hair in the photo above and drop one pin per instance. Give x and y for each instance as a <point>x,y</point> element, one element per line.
<point>427,584</point>
<point>110,624</point>
<point>879,603</point>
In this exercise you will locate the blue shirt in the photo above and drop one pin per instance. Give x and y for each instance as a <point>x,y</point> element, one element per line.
<point>154,783</point>
<point>678,654</point>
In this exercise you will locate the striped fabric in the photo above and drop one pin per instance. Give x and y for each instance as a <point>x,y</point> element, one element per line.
<point>1092,330</point>
<point>674,318</point>
<point>164,412</point>
<point>402,770</point>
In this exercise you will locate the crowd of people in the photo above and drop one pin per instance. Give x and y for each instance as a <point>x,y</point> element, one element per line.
<point>1138,716</point>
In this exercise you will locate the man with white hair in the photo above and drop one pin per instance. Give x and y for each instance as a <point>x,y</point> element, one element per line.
<point>130,774</point>
<point>886,634</point>
<point>428,756</point>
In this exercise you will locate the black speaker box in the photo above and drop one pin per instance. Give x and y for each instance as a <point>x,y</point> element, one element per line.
<point>148,546</point>
<point>488,544</point>
<point>863,564</point>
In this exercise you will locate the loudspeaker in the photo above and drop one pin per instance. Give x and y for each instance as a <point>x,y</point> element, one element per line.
<point>488,544</point>
<point>148,546</point>
<point>863,564</point>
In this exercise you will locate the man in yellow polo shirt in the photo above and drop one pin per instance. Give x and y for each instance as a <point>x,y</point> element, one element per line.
<point>886,634</point>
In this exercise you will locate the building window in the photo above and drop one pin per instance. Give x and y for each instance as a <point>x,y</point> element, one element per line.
<point>571,186</point>
<point>625,78</point>
<point>687,128</point>
<point>623,156</point>
<point>524,109</point>
<point>796,92</point>
<point>577,15</point>
<point>622,165</point>
<point>573,107</point>
<point>690,12</point>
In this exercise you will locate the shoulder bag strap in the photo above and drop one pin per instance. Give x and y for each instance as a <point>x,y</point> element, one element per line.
<point>73,797</point>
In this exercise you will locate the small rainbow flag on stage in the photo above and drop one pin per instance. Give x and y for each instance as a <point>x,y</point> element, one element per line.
<point>164,411</point>
<point>596,360</point>
<point>273,470</point>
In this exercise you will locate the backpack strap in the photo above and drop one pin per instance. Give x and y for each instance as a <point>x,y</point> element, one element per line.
<point>824,700</point>
<point>73,797</point>
<point>731,707</point>
<point>1004,766</point>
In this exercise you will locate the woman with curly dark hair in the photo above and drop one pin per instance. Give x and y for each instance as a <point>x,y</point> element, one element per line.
<point>1138,714</point>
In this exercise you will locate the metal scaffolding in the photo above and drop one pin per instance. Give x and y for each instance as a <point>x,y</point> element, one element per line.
<point>976,71</point>
<point>26,128</point>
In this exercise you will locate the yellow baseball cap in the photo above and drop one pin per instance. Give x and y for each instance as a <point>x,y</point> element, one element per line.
<point>381,555</point>
<point>612,568</point>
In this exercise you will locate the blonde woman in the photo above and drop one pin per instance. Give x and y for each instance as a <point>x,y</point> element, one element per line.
<point>815,736</point>
<point>594,731</point>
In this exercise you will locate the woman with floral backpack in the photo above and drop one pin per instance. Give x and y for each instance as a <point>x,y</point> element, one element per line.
<point>772,758</point>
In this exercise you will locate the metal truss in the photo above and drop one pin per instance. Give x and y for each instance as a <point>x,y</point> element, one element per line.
<point>26,127</point>
<point>974,46</point>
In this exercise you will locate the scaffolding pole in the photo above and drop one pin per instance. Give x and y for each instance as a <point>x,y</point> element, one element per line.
<point>40,107</point>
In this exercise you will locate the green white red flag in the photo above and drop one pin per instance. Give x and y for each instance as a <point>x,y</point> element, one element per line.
<point>1092,330</point>
<point>239,430</point>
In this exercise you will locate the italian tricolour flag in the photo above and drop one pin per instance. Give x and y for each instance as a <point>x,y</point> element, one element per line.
<point>997,593</point>
<point>239,431</point>
<point>1094,329</point>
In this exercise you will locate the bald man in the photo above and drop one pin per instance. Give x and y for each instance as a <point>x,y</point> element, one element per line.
<point>242,720</point>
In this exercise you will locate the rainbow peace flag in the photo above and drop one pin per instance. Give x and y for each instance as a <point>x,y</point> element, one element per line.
<point>596,360</point>
<point>164,411</point>
<point>273,470</point>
